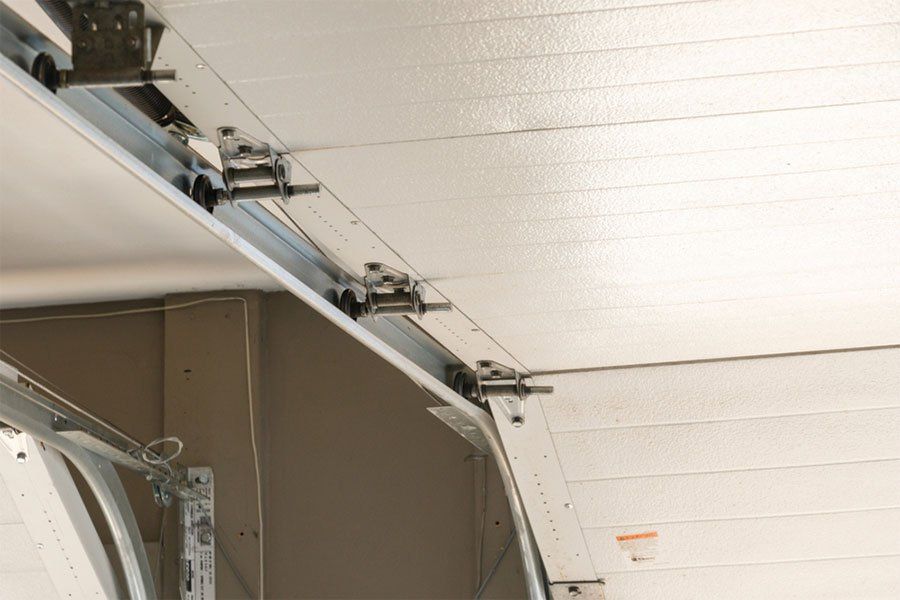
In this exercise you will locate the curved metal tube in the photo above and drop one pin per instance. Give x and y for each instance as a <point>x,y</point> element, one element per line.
<point>16,410</point>
<point>530,556</point>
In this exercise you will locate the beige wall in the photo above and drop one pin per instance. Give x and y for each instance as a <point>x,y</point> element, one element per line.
<point>366,495</point>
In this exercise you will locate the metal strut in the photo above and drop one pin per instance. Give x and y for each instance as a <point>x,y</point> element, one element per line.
<point>389,292</point>
<point>251,170</point>
<point>493,380</point>
<point>111,47</point>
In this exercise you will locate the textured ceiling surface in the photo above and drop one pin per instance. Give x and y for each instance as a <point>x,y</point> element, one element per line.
<point>600,183</point>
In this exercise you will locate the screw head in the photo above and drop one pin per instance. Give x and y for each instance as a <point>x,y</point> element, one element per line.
<point>203,479</point>
<point>40,546</point>
<point>21,457</point>
<point>518,421</point>
<point>569,505</point>
<point>574,591</point>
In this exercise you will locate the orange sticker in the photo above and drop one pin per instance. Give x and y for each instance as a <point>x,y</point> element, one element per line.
<point>639,547</point>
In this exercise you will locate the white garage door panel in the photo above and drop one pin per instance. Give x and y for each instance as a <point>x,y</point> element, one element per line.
<point>776,539</point>
<point>688,256</point>
<point>723,390</point>
<point>454,160</point>
<point>27,585</point>
<point>852,579</point>
<point>606,68</point>
<point>361,50</point>
<point>788,91</point>
<point>209,27</point>
<point>610,227</point>
<point>583,293</point>
<point>637,502</point>
<point>730,445</point>
<point>19,552</point>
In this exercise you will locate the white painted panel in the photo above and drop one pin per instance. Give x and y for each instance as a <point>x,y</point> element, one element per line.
<point>27,585</point>
<point>92,231</point>
<point>723,390</point>
<point>19,551</point>
<point>461,157</point>
<point>634,103</point>
<point>639,501</point>
<point>730,445</point>
<point>875,578</point>
<point>287,48</point>
<point>296,94</point>
<point>749,541</point>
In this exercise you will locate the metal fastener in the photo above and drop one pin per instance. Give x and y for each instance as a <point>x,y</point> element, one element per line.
<point>574,591</point>
<point>21,457</point>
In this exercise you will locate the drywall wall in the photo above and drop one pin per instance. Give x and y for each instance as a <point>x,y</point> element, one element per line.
<point>366,495</point>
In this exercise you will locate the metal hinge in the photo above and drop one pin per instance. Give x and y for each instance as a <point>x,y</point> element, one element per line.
<point>252,171</point>
<point>111,47</point>
<point>493,380</point>
<point>389,292</point>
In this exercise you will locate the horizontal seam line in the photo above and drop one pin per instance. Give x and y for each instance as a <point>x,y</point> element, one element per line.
<point>525,57</point>
<point>752,564</point>
<point>736,470</point>
<point>592,125</point>
<point>560,91</point>
<point>726,420</point>
<point>744,518</point>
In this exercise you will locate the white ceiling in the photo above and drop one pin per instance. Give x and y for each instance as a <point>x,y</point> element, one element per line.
<point>75,226</point>
<point>598,183</point>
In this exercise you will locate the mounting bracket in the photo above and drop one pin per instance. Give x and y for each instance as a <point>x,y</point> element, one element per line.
<point>389,292</point>
<point>111,47</point>
<point>493,380</point>
<point>252,171</point>
<point>198,538</point>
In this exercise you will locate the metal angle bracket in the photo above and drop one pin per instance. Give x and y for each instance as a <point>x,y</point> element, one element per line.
<point>252,171</point>
<point>582,590</point>
<point>198,538</point>
<point>111,47</point>
<point>389,292</point>
<point>493,380</point>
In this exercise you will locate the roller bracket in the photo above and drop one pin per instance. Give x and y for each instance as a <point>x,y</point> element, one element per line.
<point>389,292</point>
<point>493,380</point>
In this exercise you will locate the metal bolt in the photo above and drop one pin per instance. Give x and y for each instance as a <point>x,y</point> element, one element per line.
<point>202,479</point>
<point>574,591</point>
<point>518,422</point>
<point>40,546</point>
<point>206,537</point>
<point>21,457</point>
<point>568,505</point>
<point>8,432</point>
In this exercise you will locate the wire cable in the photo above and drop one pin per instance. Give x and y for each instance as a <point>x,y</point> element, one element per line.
<point>487,580</point>
<point>250,404</point>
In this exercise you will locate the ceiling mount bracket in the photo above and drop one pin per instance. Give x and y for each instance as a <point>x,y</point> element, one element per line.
<point>252,171</point>
<point>389,292</point>
<point>111,47</point>
<point>493,380</point>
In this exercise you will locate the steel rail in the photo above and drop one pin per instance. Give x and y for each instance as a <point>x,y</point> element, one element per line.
<point>530,557</point>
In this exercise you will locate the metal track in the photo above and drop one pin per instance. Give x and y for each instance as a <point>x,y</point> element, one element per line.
<point>167,167</point>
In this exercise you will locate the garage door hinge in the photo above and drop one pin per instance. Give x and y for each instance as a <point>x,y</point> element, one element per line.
<point>389,292</point>
<point>111,47</point>
<point>252,171</point>
<point>493,380</point>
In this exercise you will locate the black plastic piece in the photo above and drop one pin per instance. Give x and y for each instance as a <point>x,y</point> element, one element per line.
<point>350,306</point>
<point>44,70</point>
<point>203,193</point>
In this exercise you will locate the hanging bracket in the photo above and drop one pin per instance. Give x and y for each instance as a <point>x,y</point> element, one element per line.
<point>389,292</point>
<point>493,380</point>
